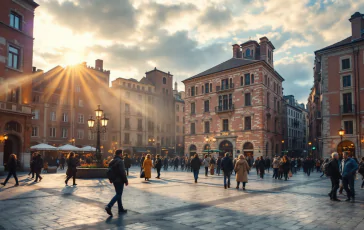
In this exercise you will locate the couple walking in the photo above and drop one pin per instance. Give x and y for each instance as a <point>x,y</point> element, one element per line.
<point>241,169</point>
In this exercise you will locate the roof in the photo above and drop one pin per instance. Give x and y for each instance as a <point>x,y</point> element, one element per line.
<point>250,41</point>
<point>344,42</point>
<point>229,64</point>
<point>155,69</point>
<point>145,81</point>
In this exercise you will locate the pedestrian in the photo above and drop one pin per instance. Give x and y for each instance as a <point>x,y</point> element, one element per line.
<point>286,166</point>
<point>32,164</point>
<point>361,171</point>
<point>206,163</point>
<point>176,163</point>
<point>218,165</point>
<point>165,163</point>
<point>227,167</point>
<point>348,176</point>
<point>275,165</point>
<point>195,166</point>
<point>118,167</point>
<point>212,166</point>
<point>267,163</point>
<point>241,168</point>
<point>147,166</point>
<point>261,167</point>
<point>38,165</point>
<point>127,163</point>
<point>334,173</point>
<point>11,165</point>
<point>158,166</point>
<point>256,163</point>
<point>142,161</point>
<point>72,168</point>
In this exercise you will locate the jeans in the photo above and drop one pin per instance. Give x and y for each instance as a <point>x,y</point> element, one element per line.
<point>348,183</point>
<point>334,187</point>
<point>244,183</point>
<point>158,172</point>
<point>227,176</point>
<point>218,171</point>
<point>275,173</point>
<point>11,173</point>
<point>195,174</point>
<point>119,187</point>
<point>206,170</point>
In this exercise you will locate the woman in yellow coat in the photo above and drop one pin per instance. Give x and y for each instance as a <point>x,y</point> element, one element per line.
<point>147,166</point>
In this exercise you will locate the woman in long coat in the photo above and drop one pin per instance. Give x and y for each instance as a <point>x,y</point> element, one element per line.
<point>72,168</point>
<point>147,166</point>
<point>241,168</point>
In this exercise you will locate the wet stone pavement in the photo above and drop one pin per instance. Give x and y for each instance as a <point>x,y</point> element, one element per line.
<point>176,202</point>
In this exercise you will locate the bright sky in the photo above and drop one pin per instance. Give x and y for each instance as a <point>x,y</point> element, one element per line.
<point>187,37</point>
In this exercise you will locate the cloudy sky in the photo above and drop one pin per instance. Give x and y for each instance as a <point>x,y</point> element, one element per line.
<point>187,37</point>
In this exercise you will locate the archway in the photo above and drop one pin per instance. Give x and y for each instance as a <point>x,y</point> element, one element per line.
<point>226,147</point>
<point>248,149</point>
<point>11,145</point>
<point>193,150</point>
<point>347,146</point>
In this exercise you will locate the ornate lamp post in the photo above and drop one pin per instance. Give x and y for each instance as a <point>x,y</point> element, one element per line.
<point>209,140</point>
<point>341,133</point>
<point>101,123</point>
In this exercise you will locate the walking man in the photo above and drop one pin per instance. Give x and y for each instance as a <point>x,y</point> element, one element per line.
<point>348,174</point>
<point>195,166</point>
<point>158,166</point>
<point>127,162</point>
<point>227,167</point>
<point>38,167</point>
<point>12,163</point>
<point>119,180</point>
<point>334,173</point>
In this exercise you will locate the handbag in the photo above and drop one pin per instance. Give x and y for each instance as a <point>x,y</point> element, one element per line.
<point>290,173</point>
<point>142,174</point>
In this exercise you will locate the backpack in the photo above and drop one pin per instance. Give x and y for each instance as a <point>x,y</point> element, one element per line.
<point>327,169</point>
<point>112,171</point>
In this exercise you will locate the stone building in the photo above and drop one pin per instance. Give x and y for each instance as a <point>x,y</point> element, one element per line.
<point>336,100</point>
<point>236,106</point>
<point>16,59</point>
<point>180,119</point>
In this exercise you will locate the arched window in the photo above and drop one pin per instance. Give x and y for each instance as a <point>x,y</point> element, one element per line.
<point>164,80</point>
<point>247,53</point>
<point>13,126</point>
<point>248,145</point>
<point>193,150</point>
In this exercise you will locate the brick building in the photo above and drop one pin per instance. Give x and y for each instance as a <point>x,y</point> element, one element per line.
<point>63,100</point>
<point>336,99</point>
<point>16,58</point>
<point>143,120</point>
<point>237,103</point>
<point>180,119</point>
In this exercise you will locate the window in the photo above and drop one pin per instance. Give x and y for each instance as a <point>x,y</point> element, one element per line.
<point>139,139</point>
<point>252,79</point>
<point>13,95</point>
<point>247,53</point>
<point>193,131</point>
<point>241,80</point>
<point>207,127</point>
<point>80,103</point>
<point>196,91</point>
<point>206,106</point>
<point>64,117</point>
<point>53,116</point>
<point>265,79</point>
<point>80,134</point>
<point>35,114</point>
<point>210,87</point>
<point>247,123</point>
<point>225,102</point>
<point>247,79</point>
<point>345,63</point>
<point>346,81</point>
<point>207,87</point>
<point>126,138</point>
<point>348,126</point>
<point>140,124</point>
<point>193,109</point>
<point>14,57</point>
<point>35,131</point>
<point>225,125</point>
<point>192,91</point>
<point>203,89</point>
<point>36,98</point>
<point>248,99</point>
<point>347,103</point>
<point>127,108</point>
<point>15,21</point>
<point>127,123</point>
<point>81,119</point>
<point>52,132</point>
<point>164,80</point>
<point>64,132</point>
<point>91,135</point>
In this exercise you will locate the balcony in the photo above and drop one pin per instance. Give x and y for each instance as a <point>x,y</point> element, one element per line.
<point>347,109</point>
<point>224,109</point>
<point>11,107</point>
<point>224,88</point>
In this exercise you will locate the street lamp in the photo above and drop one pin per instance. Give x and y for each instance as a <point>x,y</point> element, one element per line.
<point>309,144</point>
<point>283,146</point>
<point>73,141</point>
<point>151,141</point>
<point>341,133</point>
<point>101,123</point>
<point>209,140</point>
<point>3,138</point>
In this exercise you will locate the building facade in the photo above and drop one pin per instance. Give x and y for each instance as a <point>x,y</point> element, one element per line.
<point>180,120</point>
<point>236,106</point>
<point>16,58</point>
<point>336,99</point>
<point>295,142</point>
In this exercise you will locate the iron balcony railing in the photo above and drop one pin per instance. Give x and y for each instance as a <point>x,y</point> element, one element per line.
<point>224,87</point>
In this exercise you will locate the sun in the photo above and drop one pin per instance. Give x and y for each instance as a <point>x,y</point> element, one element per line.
<point>73,58</point>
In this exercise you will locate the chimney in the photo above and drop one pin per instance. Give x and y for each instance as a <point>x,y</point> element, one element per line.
<point>357,25</point>
<point>175,86</point>
<point>236,51</point>
<point>99,65</point>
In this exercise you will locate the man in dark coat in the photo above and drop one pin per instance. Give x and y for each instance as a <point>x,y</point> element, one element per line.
<point>218,166</point>
<point>158,166</point>
<point>195,166</point>
<point>165,163</point>
<point>127,162</point>
<point>118,165</point>
<point>11,165</point>
<point>335,176</point>
<point>227,167</point>
<point>267,163</point>
<point>38,167</point>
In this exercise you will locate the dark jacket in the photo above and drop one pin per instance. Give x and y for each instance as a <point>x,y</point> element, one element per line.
<point>195,163</point>
<point>118,163</point>
<point>127,162</point>
<point>267,163</point>
<point>38,165</point>
<point>218,162</point>
<point>72,166</point>
<point>158,163</point>
<point>350,167</point>
<point>261,165</point>
<point>286,166</point>
<point>11,165</point>
<point>227,165</point>
<point>334,169</point>
<point>33,162</point>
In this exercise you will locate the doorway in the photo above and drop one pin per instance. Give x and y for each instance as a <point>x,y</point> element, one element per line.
<point>11,145</point>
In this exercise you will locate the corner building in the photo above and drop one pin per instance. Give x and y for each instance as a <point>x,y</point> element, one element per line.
<point>238,103</point>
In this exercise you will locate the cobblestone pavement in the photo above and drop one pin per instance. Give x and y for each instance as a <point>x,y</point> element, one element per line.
<point>176,202</point>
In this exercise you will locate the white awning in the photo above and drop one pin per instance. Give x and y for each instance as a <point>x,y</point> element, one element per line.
<point>88,149</point>
<point>43,147</point>
<point>68,148</point>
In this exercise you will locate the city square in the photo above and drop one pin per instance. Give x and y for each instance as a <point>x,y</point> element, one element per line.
<point>175,202</point>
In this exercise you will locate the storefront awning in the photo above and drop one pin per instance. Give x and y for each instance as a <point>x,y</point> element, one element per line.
<point>139,150</point>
